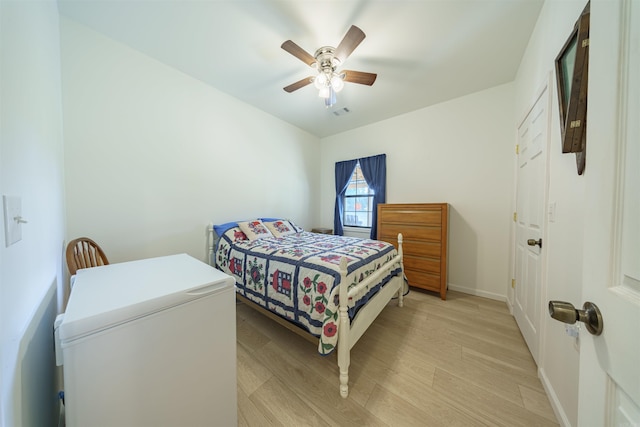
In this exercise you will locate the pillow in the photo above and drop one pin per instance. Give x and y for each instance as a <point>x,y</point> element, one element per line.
<point>254,229</point>
<point>222,228</point>
<point>280,228</point>
<point>296,227</point>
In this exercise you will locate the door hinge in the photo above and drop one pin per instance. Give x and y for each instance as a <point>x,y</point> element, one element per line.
<point>515,216</point>
<point>517,148</point>
<point>585,42</point>
<point>513,283</point>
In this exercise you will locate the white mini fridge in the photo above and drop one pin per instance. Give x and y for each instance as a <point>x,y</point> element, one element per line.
<point>150,343</point>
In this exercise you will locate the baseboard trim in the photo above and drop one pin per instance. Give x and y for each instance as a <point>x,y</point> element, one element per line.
<point>477,292</point>
<point>553,399</point>
<point>509,306</point>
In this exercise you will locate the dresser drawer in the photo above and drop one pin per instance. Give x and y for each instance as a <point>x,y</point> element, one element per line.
<point>417,248</point>
<point>422,249</point>
<point>409,216</point>
<point>427,265</point>
<point>423,280</point>
<point>389,231</point>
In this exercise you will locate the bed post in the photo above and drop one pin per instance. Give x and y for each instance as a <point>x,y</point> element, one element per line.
<point>210,244</point>
<point>401,290</point>
<point>344,347</point>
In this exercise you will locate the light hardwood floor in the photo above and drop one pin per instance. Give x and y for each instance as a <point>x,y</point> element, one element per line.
<point>459,362</point>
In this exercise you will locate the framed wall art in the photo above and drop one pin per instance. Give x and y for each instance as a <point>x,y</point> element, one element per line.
<point>572,75</point>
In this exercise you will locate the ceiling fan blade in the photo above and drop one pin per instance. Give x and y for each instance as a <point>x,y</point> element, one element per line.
<point>359,77</point>
<point>297,85</point>
<point>298,52</point>
<point>350,41</point>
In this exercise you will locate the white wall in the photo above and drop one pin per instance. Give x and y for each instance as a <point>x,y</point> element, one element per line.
<point>559,359</point>
<point>152,155</point>
<point>31,166</point>
<point>459,152</point>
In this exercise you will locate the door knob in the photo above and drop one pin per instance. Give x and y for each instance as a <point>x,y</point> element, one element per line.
<point>590,315</point>
<point>533,242</point>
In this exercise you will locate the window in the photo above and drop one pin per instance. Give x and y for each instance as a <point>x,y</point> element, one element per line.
<point>358,201</point>
<point>360,188</point>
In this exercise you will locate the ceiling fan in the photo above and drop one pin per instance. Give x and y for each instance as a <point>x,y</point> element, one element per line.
<point>326,61</point>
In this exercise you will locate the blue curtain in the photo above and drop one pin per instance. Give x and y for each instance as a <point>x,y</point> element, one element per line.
<point>374,170</point>
<point>344,170</point>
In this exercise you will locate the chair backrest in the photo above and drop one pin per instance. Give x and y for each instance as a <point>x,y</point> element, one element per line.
<point>84,253</point>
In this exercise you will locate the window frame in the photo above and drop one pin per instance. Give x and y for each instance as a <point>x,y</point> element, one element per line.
<point>369,195</point>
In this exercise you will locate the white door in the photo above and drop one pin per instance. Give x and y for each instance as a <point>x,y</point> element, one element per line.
<point>610,363</point>
<point>532,164</point>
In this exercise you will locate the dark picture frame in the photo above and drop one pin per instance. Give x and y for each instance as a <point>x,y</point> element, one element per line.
<point>572,75</point>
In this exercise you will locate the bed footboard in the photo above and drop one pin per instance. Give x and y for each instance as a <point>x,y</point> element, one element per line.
<point>350,332</point>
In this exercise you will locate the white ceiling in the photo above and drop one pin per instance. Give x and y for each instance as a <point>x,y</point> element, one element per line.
<point>424,51</point>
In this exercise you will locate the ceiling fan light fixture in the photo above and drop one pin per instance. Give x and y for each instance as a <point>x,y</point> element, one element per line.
<point>325,92</point>
<point>337,83</point>
<point>320,81</point>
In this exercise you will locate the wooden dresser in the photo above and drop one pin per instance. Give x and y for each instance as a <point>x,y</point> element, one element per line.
<point>424,228</point>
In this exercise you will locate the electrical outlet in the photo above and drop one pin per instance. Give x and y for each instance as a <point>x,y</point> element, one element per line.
<point>12,219</point>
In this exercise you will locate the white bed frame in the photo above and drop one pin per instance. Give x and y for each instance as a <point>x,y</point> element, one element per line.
<point>349,332</point>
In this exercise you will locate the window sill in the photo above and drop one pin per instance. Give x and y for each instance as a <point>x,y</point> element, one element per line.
<point>357,229</point>
<point>360,232</point>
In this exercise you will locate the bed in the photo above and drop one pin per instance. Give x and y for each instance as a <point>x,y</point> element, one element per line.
<point>331,287</point>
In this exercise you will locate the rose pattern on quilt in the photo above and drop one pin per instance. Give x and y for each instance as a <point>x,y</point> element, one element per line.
<point>330,329</point>
<point>281,226</point>
<point>267,246</point>
<point>310,287</point>
<point>374,243</point>
<point>297,276</point>
<point>361,250</point>
<point>257,227</point>
<point>296,252</point>
<point>327,245</point>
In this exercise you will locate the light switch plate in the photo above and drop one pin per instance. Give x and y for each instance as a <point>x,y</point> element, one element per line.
<point>12,227</point>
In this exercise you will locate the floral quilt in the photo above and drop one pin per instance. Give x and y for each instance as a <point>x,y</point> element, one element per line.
<point>297,275</point>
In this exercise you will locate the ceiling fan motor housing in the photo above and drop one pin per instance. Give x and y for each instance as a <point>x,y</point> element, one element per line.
<point>326,60</point>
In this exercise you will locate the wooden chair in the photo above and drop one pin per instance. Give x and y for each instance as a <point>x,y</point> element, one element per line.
<point>84,253</point>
